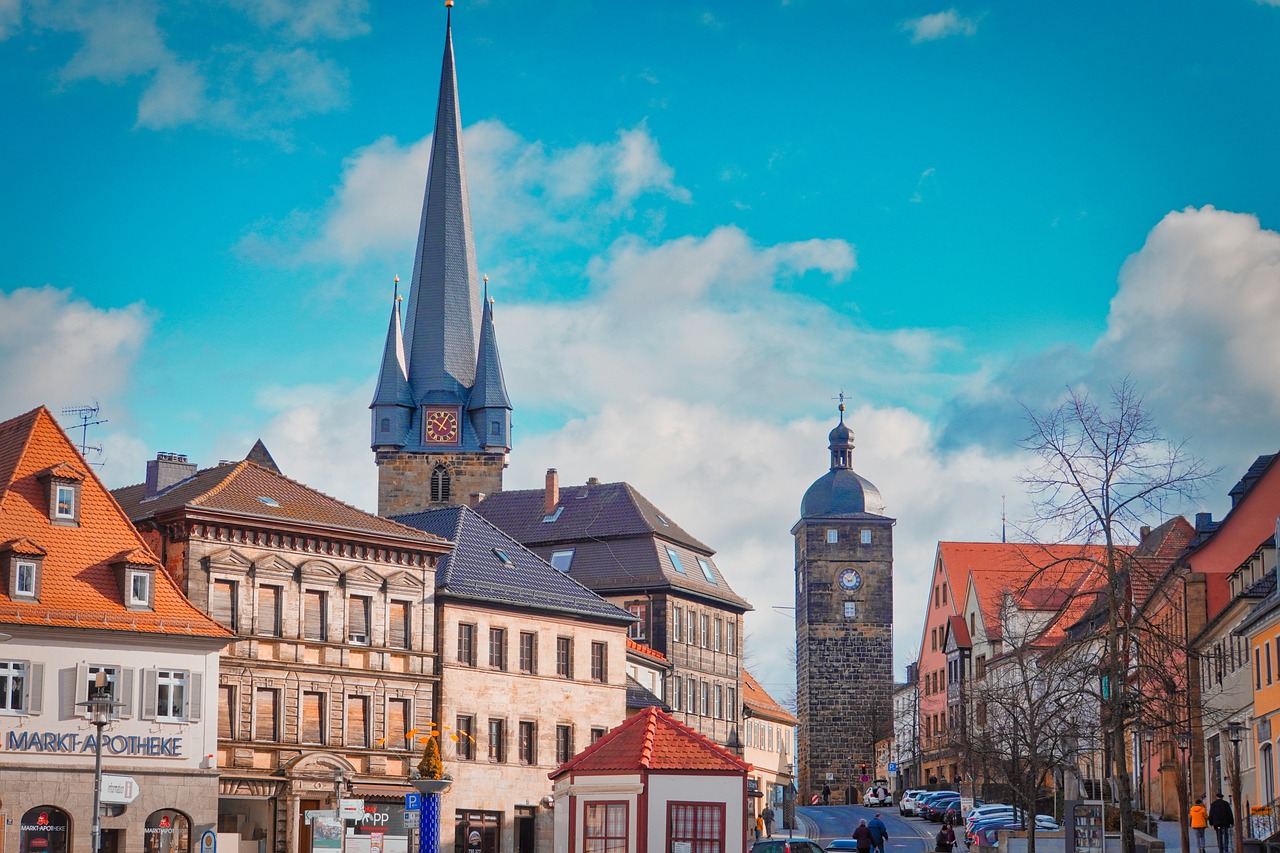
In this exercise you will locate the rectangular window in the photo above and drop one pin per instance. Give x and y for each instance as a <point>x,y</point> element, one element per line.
<point>564,657</point>
<point>467,644</point>
<point>707,572</point>
<point>733,637</point>
<point>1267,647</point>
<point>675,560</point>
<point>66,502</point>
<point>266,714</point>
<point>140,588</point>
<point>734,710</point>
<point>222,603</point>
<point>171,694</point>
<point>599,662</point>
<point>833,536</point>
<point>850,609</point>
<point>597,733</point>
<point>696,826</point>
<point>604,828</point>
<point>358,608</point>
<point>226,712</point>
<point>497,741</point>
<point>944,590</point>
<point>562,560</point>
<point>358,721</point>
<point>465,730</point>
<point>311,726</point>
<point>636,630</point>
<point>529,652</point>
<point>564,743</point>
<point>398,715</point>
<point>706,699</point>
<point>677,691</point>
<point>269,608</point>
<point>866,537</point>
<point>13,686</point>
<point>719,635</point>
<point>498,648</point>
<point>111,678</point>
<point>314,623</point>
<point>692,622</point>
<point>719,701</point>
<point>528,745</point>
<point>1257,669</point>
<point>24,584</point>
<point>398,633</point>
<point>706,631</point>
<point>676,632</point>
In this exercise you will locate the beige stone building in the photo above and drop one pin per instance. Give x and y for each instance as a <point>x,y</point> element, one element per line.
<point>333,666</point>
<point>83,599</point>
<point>768,745</point>
<point>533,669</point>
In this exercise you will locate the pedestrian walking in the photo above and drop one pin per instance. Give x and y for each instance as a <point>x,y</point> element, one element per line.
<point>863,836</point>
<point>1223,820</point>
<point>879,832</point>
<point>767,814</point>
<point>760,829</point>
<point>1199,820</point>
<point>826,795</point>
<point>946,839</point>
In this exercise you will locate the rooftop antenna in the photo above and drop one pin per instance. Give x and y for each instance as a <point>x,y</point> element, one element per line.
<point>1003,517</point>
<point>87,415</point>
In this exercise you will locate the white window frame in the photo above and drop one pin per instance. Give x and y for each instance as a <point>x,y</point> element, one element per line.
<point>10,671</point>
<point>851,610</point>
<point>866,536</point>
<point>145,599</point>
<point>564,555</point>
<point>117,680</point>
<point>833,536</point>
<point>28,590</point>
<point>166,681</point>
<point>70,514</point>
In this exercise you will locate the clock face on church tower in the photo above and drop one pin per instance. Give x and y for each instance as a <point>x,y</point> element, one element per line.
<point>440,426</point>
<point>850,580</point>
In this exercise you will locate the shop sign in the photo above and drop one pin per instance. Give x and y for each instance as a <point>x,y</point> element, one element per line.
<point>122,790</point>
<point>76,742</point>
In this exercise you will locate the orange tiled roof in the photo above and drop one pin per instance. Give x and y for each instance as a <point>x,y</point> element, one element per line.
<point>78,586</point>
<point>1042,577</point>
<point>653,740</point>
<point>633,646</point>
<point>762,704</point>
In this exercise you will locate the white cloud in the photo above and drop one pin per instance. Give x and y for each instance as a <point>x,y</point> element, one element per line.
<point>517,188</point>
<point>10,17</point>
<point>925,180</point>
<point>309,19</point>
<point>939,25</point>
<point>82,352</point>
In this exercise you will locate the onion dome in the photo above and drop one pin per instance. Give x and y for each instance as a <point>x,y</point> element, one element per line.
<point>841,491</point>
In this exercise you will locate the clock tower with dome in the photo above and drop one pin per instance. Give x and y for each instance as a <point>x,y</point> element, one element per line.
<point>441,418</point>
<point>844,625</point>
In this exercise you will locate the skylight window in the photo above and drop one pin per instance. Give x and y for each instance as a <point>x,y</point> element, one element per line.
<point>561,560</point>
<point>502,555</point>
<point>706,570</point>
<point>268,501</point>
<point>675,560</point>
<point>665,523</point>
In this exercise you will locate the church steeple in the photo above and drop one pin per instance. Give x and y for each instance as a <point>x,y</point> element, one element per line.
<point>490,407</point>
<point>442,325</point>
<point>392,400</point>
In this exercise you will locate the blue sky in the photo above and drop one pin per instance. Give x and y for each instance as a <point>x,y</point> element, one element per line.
<point>700,222</point>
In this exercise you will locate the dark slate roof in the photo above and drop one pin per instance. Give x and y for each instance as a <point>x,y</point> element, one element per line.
<point>490,390</point>
<point>259,455</point>
<point>591,511</point>
<point>239,487</point>
<point>1255,472</point>
<point>393,383</point>
<point>639,696</point>
<point>475,572</point>
<point>619,540</point>
<point>841,492</point>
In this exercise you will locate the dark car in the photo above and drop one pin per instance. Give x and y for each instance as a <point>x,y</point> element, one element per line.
<point>938,806</point>
<point>786,845</point>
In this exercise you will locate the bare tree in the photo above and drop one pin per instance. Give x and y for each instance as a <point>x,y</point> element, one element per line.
<point>1100,472</point>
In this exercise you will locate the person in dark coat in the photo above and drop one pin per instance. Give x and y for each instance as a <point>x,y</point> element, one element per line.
<point>946,839</point>
<point>1223,820</point>
<point>862,835</point>
<point>767,814</point>
<point>879,832</point>
<point>826,795</point>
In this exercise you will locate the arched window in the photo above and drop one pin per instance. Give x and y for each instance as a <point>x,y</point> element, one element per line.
<point>440,485</point>
<point>44,830</point>
<point>167,831</point>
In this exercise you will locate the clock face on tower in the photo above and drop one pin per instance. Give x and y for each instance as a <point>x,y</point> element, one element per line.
<point>440,426</point>
<point>850,580</point>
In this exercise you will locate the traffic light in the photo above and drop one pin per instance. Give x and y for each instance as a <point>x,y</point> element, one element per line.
<point>864,768</point>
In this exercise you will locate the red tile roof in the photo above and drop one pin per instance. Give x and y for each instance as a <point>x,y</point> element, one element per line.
<point>78,586</point>
<point>653,740</point>
<point>761,704</point>
<point>633,646</point>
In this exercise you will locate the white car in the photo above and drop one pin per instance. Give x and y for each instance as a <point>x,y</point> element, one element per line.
<point>907,805</point>
<point>879,795</point>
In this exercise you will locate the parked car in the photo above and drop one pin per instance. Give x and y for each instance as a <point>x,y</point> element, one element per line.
<point>984,827</point>
<point>907,802</point>
<point>788,845</point>
<point>842,844</point>
<point>878,795</point>
<point>937,807</point>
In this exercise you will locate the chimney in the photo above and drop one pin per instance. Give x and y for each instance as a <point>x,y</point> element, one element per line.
<point>1204,520</point>
<point>166,470</point>
<point>1144,532</point>
<point>551,497</point>
<point>476,498</point>
<point>593,481</point>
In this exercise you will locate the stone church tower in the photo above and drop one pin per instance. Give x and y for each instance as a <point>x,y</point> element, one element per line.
<point>441,418</point>
<point>844,625</point>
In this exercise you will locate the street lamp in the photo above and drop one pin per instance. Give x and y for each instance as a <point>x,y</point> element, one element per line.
<point>100,706</point>
<point>1184,743</point>
<point>1235,733</point>
<point>1148,738</point>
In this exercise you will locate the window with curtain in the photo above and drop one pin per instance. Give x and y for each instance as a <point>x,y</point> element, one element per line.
<point>604,828</point>
<point>698,827</point>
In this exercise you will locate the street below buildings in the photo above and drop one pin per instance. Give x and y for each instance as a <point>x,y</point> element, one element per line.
<point>906,835</point>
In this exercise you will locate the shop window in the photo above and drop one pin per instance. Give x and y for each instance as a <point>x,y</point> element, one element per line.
<point>44,829</point>
<point>696,826</point>
<point>604,827</point>
<point>167,831</point>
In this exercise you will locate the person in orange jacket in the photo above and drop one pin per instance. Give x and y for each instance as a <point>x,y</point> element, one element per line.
<point>1199,821</point>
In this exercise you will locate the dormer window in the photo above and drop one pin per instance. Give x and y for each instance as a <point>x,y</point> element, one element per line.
<point>139,589</point>
<point>24,579</point>
<point>137,580</point>
<point>23,560</point>
<point>62,486</point>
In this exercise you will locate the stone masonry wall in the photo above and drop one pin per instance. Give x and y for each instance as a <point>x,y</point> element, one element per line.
<point>404,479</point>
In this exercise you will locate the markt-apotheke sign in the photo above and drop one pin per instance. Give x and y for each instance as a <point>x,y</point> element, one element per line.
<point>76,742</point>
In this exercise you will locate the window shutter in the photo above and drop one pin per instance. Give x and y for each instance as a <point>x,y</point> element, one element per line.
<point>269,610</point>
<point>125,685</point>
<point>312,731</point>
<point>357,734</point>
<point>226,711</point>
<point>358,618</point>
<point>67,709</point>
<point>313,615</point>
<point>398,629</point>
<point>148,694</point>
<point>264,715</point>
<point>35,688</point>
<point>195,695</point>
<point>81,690</point>
<point>222,603</point>
<point>397,714</point>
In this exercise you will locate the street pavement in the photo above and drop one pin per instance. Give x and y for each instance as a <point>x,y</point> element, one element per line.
<point>906,835</point>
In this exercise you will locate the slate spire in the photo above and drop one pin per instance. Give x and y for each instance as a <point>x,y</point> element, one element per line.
<point>392,399</point>
<point>442,327</point>
<point>490,391</point>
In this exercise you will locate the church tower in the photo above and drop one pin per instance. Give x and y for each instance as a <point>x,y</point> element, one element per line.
<point>441,418</point>
<point>844,625</point>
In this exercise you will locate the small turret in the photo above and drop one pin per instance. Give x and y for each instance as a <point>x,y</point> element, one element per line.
<point>489,406</point>
<point>392,400</point>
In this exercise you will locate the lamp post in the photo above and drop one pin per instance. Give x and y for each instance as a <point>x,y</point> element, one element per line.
<point>100,706</point>
<point>1148,738</point>
<point>1235,733</point>
<point>1184,744</point>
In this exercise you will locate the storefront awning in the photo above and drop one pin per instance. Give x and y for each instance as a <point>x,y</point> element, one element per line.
<point>384,793</point>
